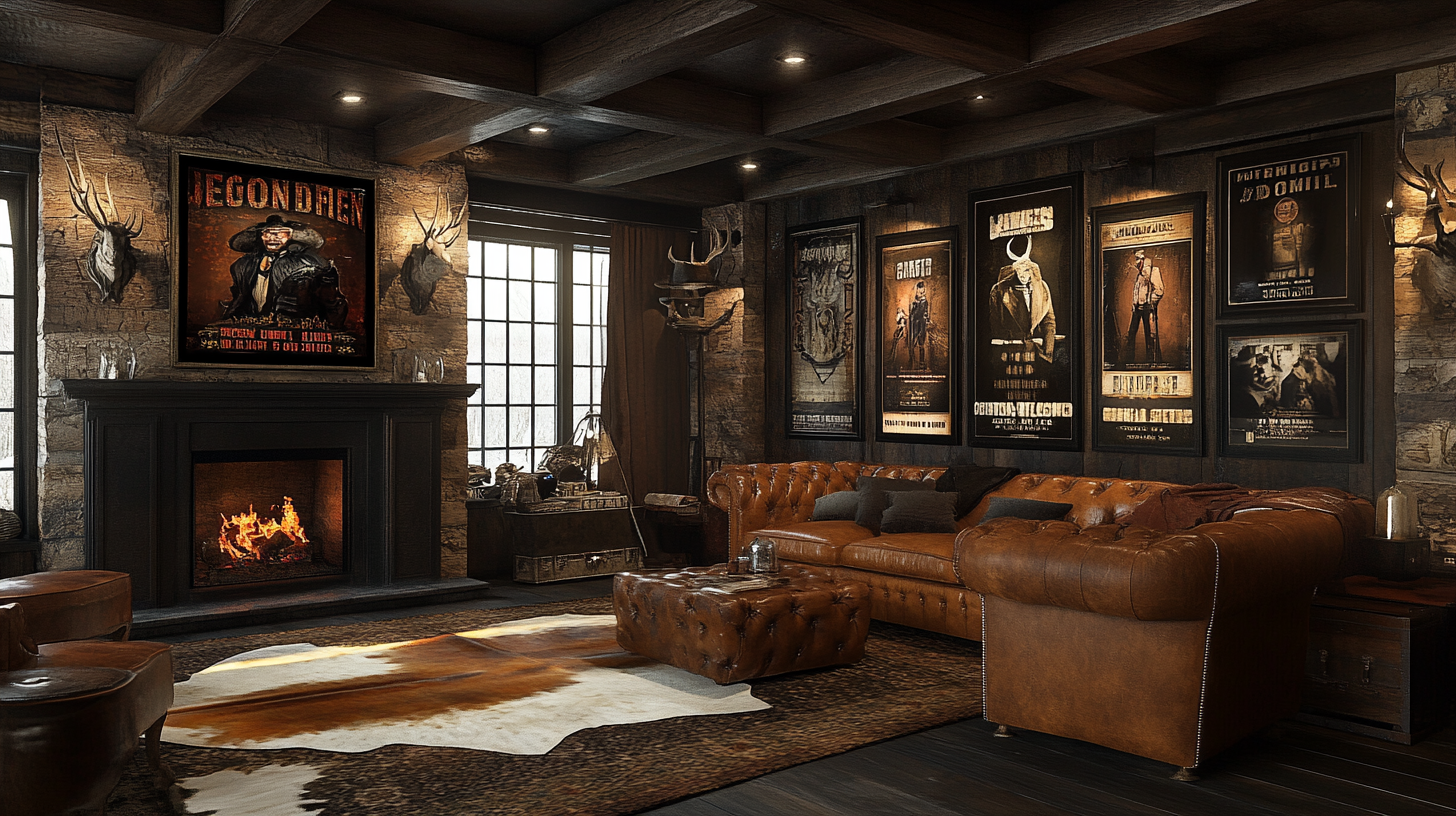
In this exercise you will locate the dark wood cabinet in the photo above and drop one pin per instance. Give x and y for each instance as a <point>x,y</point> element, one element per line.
<point>1377,667</point>
<point>571,544</point>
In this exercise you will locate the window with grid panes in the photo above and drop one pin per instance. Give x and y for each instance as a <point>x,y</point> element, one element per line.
<point>537,326</point>
<point>15,239</point>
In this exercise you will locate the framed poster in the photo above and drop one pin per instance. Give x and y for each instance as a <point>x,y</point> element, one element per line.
<point>1291,392</point>
<point>826,293</point>
<point>274,266</point>
<point>1026,251</point>
<point>1148,273</point>
<point>1288,228</point>
<point>917,342</point>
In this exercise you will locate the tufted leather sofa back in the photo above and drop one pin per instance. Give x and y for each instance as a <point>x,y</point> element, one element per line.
<point>1094,501</point>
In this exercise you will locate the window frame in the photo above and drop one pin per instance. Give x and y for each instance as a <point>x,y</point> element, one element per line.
<point>19,182</point>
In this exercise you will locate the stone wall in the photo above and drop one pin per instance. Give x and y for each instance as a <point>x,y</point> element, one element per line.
<point>734,358</point>
<point>137,166</point>
<point>1425,307</point>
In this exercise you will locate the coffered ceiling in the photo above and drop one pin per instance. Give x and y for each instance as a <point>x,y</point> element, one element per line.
<point>665,99</point>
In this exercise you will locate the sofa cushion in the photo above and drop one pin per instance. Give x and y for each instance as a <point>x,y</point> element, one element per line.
<point>922,556</point>
<point>919,511</point>
<point>840,506</point>
<point>873,501</point>
<point>970,482</point>
<point>812,542</point>
<point>1030,509</point>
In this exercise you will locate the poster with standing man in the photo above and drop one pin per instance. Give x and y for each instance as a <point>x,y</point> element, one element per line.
<point>917,320</point>
<point>1026,250</point>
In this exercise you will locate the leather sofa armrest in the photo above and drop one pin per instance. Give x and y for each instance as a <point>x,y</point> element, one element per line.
<point>763,495</point>
<point>1139,573</point>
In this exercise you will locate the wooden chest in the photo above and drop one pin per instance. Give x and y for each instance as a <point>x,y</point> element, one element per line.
<point>573,544</point>
<point>1376,668</point>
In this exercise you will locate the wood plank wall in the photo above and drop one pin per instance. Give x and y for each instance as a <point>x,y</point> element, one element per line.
<point>1116,169</point>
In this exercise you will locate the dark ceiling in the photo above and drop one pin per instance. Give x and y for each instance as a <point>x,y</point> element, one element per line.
<point>663,99</point>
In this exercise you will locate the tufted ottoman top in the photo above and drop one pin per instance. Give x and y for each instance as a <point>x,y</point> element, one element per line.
<point>697,620</point>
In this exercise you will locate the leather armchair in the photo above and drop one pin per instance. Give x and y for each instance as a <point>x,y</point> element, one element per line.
<point>1171,646</point>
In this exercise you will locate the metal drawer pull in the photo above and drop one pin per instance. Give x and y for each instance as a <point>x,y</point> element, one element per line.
<point>1324,662</point>
<point>1365,661</point>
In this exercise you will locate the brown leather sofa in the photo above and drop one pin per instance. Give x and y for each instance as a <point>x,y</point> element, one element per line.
<point>1164,620</point>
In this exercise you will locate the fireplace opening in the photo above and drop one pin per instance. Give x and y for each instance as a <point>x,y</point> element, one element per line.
<point>268,516</point>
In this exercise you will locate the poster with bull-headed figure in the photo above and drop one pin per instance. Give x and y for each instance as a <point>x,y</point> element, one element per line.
<point>274,266</point>
<point>918,319</point>
<point>1026,251</point>
<point>826,292</point>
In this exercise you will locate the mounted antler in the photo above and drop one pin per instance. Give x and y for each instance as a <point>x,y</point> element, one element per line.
<point>1437,279</point>
<point>428,261</point>
<point>693,273</point>
<point>111,261</point>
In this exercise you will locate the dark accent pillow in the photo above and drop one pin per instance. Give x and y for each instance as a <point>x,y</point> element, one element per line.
<point>919,511</point>
<point>843,505</point>
<point>971,482</point>
<point>1032,509</point>
<point>872,499</point>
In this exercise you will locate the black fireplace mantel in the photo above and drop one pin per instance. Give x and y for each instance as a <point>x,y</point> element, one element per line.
<point>142,437</point>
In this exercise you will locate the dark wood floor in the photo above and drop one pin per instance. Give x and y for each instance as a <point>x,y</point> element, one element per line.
<point>1292,768</point>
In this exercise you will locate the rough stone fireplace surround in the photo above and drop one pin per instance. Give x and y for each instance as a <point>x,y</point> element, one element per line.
<point>142,437</point>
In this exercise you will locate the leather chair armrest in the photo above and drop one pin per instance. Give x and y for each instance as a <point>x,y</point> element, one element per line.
<point>763,495</point>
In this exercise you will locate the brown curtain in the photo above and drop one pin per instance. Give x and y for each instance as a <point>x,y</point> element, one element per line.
<point>645,392</point>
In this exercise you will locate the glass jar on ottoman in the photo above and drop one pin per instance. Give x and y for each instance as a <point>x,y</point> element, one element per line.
<point>731,628</point>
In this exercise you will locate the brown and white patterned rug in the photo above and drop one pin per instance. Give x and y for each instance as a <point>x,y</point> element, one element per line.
<point>908,681</point>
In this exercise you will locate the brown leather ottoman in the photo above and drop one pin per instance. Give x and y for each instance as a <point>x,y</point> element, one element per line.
<point>809,620</point>
<point>72,604</point>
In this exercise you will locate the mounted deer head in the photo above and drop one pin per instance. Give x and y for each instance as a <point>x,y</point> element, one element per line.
<point>429,260</point>
<point>1436,279</point>
<point>694,273</point>
<point>111,261</point>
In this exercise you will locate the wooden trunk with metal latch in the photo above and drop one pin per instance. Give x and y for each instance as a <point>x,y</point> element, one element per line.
<point>1375,668</point>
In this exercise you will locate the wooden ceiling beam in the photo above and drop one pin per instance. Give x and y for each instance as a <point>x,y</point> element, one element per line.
<point>184,81</point>
<point>639,41</point>
<point>702,108</point>
<point>190,22</point>
<point>892,88</point>
<point>643,155</point>
<point>893,142</point>
<point>60,87</point>
<point>443,126</point>
<point>1149,82</point>
<point>542,167</point>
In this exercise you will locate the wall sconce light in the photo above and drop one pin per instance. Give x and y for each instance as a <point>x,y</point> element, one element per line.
<point>1389,218</point>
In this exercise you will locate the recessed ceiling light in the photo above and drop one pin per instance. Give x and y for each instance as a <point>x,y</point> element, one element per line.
<point>351,97</point>
<point>539,129</point>
<point>980,97</point>
<point>793,58</point>
<point>748,164</point>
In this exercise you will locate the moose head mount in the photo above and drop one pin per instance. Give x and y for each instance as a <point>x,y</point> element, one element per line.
<point>1436,278</point>
<point>428,261</point>
<point>111,262</point>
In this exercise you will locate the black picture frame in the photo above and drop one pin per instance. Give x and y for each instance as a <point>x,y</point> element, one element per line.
<point>1289,236</point>
<point>1148,267</point>
<point>1023,396</point>
<point>317,311</point>
<point>917,344</point>
<point>1295,391</point>
<point>824,363</point>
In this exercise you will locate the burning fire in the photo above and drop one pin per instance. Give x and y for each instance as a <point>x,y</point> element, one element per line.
<point>251,536</point>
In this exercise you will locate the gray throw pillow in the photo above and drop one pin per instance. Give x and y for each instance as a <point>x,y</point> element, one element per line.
<point>1032,509</point>
<point>841,506</point>
<point>872,499</point>
<point>916,511</point>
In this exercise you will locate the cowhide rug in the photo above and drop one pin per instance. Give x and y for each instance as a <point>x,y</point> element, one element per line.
<point>518,688</point>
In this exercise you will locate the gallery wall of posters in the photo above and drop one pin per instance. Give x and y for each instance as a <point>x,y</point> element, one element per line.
<point>274,266</point>
<point>1148,272</point>
<point>917,336</point>
<point>826,291</point>
<point>1289,235</point>
<point>1025,293</point>
<point>1291,391</point>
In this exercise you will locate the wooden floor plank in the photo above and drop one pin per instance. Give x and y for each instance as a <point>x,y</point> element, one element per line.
<point>1368,750</point>
<point>1334,790</point>
<point>847,793</point>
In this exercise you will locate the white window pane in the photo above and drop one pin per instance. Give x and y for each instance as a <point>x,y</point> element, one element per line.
<point>600,310</point>
<point>493,260</point>
<point>474,289</point>
<point>518,262</point>
<point>580,266</point>
<point>494,335</point>
<point>520,393</point>
<point>578,413</point>
<point>494,307</point>
<point>546,426</point>
<point>7,441</point>
<point>580,383</point>
<point>596,391</point>
<point>545,264</point>
<point>472,425</point>
<point>5,235</point>
<point>581,345</point>
<point>601,271</point>
<point>520,343</point>
<point>545,303</point>
<point>7,324</point>
<point>472,375</point>
<point>519,300</point>
<point>546,385</point>
<point>493,427</point>
<point>7,271</point>
<point>546,345</point>
<point>473,254</point>
<point>599,354</point>
<point>7,380</point>
<point>491,457</point>
<point>472,342</point>
<point>581,307</point>
<point>477,458</point>
<point>493,389</point>
<point>520,426</point>
<point>7,488</point>
<point>521,458</point>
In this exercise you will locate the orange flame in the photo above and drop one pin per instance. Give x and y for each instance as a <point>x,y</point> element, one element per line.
<point>252,533</point>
